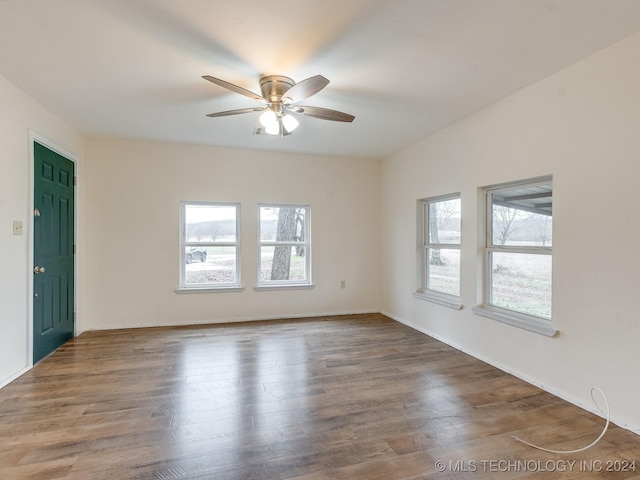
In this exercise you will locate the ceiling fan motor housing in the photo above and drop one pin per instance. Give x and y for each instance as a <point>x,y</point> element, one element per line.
<point>273,87</point>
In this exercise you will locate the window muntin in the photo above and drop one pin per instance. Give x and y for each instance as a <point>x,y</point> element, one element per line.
<point>519,248</point>
<point>210,245</point>
<point>441,245</point>
<point>284,249</point>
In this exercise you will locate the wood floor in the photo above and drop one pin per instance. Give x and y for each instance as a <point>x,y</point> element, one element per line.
<point>353,397</point>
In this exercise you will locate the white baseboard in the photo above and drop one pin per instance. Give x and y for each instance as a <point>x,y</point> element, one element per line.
<point>10,379</point>
<point>222,321</point>
<point>522,376</point>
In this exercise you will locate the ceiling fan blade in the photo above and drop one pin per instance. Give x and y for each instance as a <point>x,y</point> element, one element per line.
<point>235,88</point>
<point>304,89</point>
<point>236,112</point>
<point>323,113</point>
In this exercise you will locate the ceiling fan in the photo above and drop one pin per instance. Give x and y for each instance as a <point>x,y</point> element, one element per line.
<point>281,96</point>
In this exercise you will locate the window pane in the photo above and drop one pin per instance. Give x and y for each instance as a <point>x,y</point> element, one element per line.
<point>443,270</point>
<point>210,223</point>
<point>282,224</point>
<point>444,221</point>
<point>210,265</point>
<point>282,263</point>
<point>521,282</point>
<point>522,216</point>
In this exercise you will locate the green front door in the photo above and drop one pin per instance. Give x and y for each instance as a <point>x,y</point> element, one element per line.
<point>53,238</point>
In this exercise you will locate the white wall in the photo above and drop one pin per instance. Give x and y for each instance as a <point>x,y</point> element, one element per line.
<point>581,125</point>
<point>20,114</point>
<point>134,189</point>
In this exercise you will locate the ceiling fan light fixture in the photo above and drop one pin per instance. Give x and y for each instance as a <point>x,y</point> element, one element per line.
<point>278,123</point>
<point>273,128</point>
<point>290,123</point>
<point>269,118</point>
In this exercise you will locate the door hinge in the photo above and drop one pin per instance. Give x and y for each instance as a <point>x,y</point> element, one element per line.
<point>74,249</point>
<point>75,181</point>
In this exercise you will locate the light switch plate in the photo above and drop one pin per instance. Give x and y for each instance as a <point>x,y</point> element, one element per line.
<point>17,227</point>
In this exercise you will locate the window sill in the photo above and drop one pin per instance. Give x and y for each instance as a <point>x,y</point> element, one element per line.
<point>209,289</point>
<point>520,320</point>
<point>441,299</point>
<point>293,286</point>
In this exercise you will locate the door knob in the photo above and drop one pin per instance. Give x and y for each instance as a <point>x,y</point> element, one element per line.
<point>37,270</point>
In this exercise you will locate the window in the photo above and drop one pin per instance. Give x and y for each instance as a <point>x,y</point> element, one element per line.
<point>518,254</point>
<point>284,249</point>
<point>439,249</point>
<point>209,245</point>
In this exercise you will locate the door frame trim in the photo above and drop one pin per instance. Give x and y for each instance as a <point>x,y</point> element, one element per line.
<point>44,141</point>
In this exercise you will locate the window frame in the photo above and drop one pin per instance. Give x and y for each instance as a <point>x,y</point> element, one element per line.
<point>486,308</point>
<point>424,244</point>
<point>184,287</point>
<point>306,244</point>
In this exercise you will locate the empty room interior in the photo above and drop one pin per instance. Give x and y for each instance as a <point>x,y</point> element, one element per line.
<point>321,239</point>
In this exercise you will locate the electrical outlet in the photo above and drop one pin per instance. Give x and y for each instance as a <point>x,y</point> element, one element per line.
<point>17,227</point>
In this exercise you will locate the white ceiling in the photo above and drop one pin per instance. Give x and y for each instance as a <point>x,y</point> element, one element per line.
<point>404,68</point>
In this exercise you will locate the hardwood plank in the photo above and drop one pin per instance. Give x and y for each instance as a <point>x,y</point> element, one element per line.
<point>346,397</point>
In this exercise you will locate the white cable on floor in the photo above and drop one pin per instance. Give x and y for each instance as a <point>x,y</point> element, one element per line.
<point>608,417</point>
